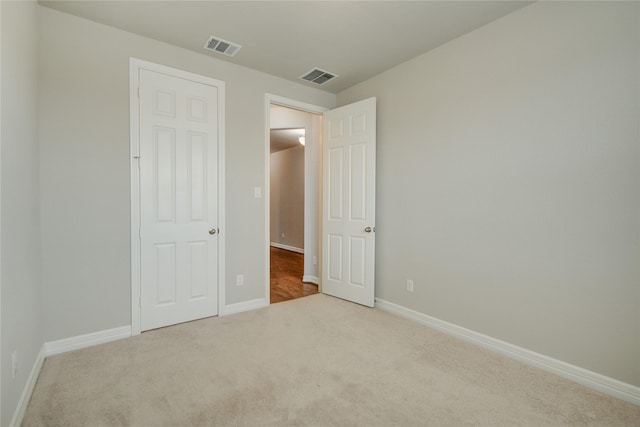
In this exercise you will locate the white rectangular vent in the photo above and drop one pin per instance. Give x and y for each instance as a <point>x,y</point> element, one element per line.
<point>224,47</point>
<point>318,76</point>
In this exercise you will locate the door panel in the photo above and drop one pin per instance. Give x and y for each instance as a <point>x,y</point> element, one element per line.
<point>197,153</point>
<point>197,270</point>
<point>358,182</point>
<point>335,187</point>
<point>357,251</point>
<point>349,202</point>
<point>178,199</point>
<point>165,280</point>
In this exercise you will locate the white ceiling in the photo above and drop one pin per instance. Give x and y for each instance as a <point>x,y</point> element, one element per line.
<point>354,39</point>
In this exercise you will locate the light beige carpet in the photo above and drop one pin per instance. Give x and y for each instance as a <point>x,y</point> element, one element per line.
<point>315,361</point>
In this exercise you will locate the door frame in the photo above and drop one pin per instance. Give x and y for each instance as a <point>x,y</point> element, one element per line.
<point>270,100</point>
<point>135,65</point>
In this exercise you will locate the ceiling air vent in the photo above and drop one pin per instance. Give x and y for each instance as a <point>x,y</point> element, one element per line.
<point>224,47</point>
<point>318,76</point>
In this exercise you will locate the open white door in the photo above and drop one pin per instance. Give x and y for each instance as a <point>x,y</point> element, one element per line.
<point>349,190</point>
<point>179,199</point>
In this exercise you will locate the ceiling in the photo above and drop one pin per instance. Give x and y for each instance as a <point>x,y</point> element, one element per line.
<point>282,139</point>
<point>354,39</point>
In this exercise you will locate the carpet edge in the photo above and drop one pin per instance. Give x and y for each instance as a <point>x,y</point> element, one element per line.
<point>25,397</point>
<point>590,379</point>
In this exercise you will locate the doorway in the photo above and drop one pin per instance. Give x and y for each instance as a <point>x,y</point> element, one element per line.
<point>293,177</point>
<point>339,244</point>
<point>286,200</point>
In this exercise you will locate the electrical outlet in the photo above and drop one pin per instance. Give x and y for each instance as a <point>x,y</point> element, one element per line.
<point>14,363</point>
<point>282,235</point>
<point>240,280</point>
<point>409,285</point>
<point>257,192</point>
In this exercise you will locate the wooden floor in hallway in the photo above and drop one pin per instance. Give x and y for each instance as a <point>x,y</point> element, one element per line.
<point>287,269</point>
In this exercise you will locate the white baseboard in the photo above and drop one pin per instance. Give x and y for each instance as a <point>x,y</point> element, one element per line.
<point>604,384</point>
<point>310,279</point>
<point>287,247</point>
<point>239,307</point>
<point>87,340</point>
<point>21,408</point>
<point>62,346</point>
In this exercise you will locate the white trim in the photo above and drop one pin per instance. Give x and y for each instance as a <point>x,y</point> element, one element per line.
<point>135,65</point>
<point>292,103</point>
<point>240,307</point>
<point>604,384</point>
<point>287,247</point>
<point>21,407</point>
<point>270,99</point>
<point>88,340</point>
<point>134,147</point>
<point>307,278</point>
<point>222,230</point>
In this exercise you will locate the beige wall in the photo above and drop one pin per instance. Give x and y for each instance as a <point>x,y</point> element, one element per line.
<point>21,291</point>
<point>287,197</point>
<point>84,159</point>
<point>508,182</point>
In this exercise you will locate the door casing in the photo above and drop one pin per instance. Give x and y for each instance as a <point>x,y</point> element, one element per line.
<point>135,65</point>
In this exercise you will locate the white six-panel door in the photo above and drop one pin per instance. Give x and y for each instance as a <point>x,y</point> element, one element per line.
<point>348,224</point>
<point>178,122</point>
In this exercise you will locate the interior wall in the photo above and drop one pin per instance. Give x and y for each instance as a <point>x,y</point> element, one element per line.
<point>508,171</point>
<point>84,161</point>
<point>19,200</point>
<point>287,197</point>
